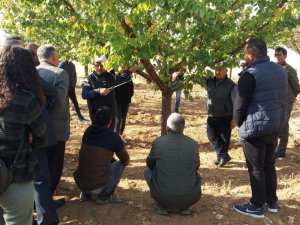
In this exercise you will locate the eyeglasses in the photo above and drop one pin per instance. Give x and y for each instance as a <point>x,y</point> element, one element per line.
<point>97,65</point>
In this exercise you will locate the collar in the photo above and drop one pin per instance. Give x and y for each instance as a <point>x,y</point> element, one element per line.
<point>255,62</point>
<point>46,62</point>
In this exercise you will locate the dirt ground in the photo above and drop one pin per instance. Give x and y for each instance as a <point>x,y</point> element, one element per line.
<point>221,187</point>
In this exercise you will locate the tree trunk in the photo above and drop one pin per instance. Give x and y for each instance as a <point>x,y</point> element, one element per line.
<point>86,70</point>
<point>165,109</point>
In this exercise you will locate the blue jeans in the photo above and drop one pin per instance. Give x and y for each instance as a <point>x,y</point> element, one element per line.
<point>116,171</point>
<point>177,100</point>
<point>46,213</point>
<point>17,203</point>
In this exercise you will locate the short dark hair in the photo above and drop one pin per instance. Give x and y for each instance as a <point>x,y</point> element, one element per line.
<point>13,40</point>
<point>103,116</point>
<point>281,49</point>
<point>257,47</point>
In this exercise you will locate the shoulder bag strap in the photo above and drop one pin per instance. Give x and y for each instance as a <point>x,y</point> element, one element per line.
<point>13,166</point>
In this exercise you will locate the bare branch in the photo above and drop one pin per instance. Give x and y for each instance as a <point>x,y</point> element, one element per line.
<point>144,75</point>
<point>154,77</point>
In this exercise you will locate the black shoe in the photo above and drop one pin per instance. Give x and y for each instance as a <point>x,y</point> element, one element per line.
<point>82,120</point>
<point>224,161</point>
<point>59,203</point>
<point>216,162</point>
<point>84,197</point>
<point>279,154</point>
<point>185,212</point>
<point>161,210</point>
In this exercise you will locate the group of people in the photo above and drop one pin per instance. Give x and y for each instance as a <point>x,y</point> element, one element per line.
<point>35,116</point>
<point>256,105</point>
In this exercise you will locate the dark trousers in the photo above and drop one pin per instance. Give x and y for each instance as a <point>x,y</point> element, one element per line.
<point>259,153</point>
<point>219,134</point>
<point>56,157</point>
<point>46,213</point>
<point>121,117</point>
<point>284,133</point>
<point>72,96</point>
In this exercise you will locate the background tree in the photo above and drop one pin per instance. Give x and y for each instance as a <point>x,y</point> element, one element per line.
<point>292,40</point>
<point>160,36</point>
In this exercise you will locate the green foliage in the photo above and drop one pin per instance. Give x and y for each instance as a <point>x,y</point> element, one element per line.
<point>196,33</point>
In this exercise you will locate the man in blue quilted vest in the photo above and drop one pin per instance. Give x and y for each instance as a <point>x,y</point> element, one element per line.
<point>260,113</point>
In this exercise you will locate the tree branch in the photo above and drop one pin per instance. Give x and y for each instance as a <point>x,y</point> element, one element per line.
<point>74,13</point>
<point>144,75</point>
<point>154,77</point>
<point>260,28</point>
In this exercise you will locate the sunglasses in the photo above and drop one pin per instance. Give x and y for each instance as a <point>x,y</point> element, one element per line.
<point>97,65</point>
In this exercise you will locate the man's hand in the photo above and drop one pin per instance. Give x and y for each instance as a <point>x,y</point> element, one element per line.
<point>133,69</point>
<point>105,91</point>
<point>30,139</point>
<point>232,125</point>
<point>175,75</point>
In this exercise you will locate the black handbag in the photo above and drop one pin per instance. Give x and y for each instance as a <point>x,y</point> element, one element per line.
<point>7,174</point>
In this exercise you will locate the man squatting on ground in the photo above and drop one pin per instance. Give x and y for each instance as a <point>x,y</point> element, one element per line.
<point>172,173</point>
<point>96,176</point>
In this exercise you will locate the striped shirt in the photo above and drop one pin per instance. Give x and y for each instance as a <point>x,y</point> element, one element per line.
<point>21,118</point>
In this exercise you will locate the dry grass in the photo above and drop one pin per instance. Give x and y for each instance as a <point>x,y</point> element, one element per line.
<point>221,187</point>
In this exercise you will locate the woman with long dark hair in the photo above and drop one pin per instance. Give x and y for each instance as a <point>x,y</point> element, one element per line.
<point>21,99</point>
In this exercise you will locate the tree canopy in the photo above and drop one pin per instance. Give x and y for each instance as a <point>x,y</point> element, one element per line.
<point>159,36</point>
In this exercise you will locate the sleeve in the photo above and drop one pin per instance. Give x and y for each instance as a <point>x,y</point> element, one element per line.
<point>233,94</point>
<point>36,124</point>
<point>87,89</point>
<point>50,92</point>
<point>62,86</point>
<point>245,91</point>
<point>119,144</point>
<point>151,160</point>
<point>75,75</point>
<point>112,79</point>
<point>293,81</point>
<point>131,88</point>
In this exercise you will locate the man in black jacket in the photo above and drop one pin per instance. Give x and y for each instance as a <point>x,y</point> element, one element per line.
<point>98,90</point>
<point>221,93</point>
